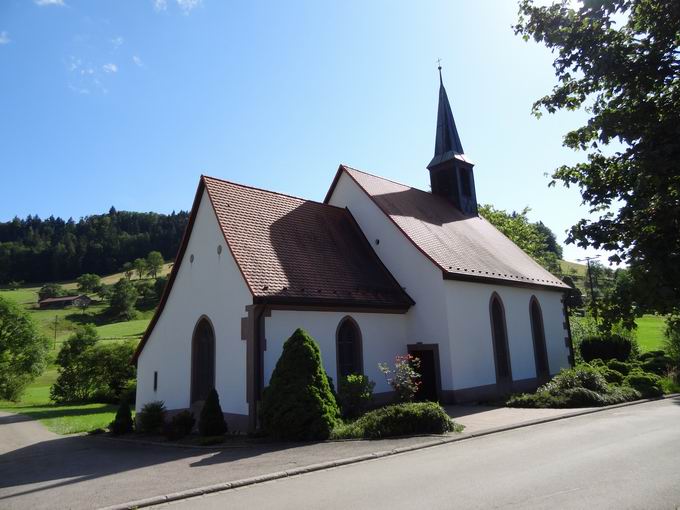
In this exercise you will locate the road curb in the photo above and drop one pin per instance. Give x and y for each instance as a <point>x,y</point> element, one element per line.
<point>200,491</point>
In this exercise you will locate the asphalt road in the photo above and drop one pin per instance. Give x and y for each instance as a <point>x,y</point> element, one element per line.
<point>621,458</point>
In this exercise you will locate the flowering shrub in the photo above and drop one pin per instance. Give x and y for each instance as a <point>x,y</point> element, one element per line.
<point>405,378</point>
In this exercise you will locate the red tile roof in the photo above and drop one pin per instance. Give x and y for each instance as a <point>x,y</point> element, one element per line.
<point>468,248</point>
<point>292,250</point>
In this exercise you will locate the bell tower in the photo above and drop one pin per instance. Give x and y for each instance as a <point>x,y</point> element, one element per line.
<point>451,174</point>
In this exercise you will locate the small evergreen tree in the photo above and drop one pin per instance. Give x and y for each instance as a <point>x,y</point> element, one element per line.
<point>298,403</point>
<point>211,421</point>
<point>122,423</point>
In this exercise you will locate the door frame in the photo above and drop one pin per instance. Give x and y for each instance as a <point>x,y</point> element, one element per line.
<point>437,367</point>
<point>503,385</point>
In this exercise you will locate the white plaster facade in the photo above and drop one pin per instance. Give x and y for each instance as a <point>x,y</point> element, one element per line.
<point>210,286</point>
<point>454,315</point>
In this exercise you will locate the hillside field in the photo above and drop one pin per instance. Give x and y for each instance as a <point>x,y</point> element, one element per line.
<point>35,402</point>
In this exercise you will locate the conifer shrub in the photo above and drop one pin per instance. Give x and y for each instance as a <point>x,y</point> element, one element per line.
<point>656,362</point>
<point>180,425</point>
<point>211,421</point>
<point>649,385</point>
<point>122,423</point>
<point>298,403</point>
<point>152,417</point>
<point>399,420</point>
<point>355,395</point>
<point>620,366</point>
<point>606,347</point>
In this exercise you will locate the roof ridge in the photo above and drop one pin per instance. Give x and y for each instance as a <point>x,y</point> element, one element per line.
<point>203,176</point>
<point>386,179</point>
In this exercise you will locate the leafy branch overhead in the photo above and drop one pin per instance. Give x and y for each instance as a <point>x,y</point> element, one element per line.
<point>619,60</point>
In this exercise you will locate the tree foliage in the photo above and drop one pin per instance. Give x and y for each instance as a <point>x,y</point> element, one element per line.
<point>23,351</point>
<point>154,263</point>
<point>122,300</point>
<point>537,240</point>
<point>92,370</point>
<point>88,282</point>
<point>619,60</point>
<point>54,249</point>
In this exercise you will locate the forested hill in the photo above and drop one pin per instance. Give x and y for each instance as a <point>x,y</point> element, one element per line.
<point>35,250</point>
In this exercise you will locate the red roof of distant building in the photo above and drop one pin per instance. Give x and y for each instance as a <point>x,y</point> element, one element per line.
<point>61,299</point>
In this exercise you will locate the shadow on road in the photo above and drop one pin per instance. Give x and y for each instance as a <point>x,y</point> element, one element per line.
<point>70,460</point>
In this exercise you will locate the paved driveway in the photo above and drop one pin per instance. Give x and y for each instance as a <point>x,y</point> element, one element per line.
<point>622,458</point>
<point>39,469</point>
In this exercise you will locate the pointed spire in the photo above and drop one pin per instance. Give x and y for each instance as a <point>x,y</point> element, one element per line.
<point>447,134</point>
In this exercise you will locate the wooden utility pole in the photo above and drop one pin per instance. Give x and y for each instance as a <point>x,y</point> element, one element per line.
<point>590,279</point>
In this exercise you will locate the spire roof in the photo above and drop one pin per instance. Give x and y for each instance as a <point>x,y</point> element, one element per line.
<point>447,142</point>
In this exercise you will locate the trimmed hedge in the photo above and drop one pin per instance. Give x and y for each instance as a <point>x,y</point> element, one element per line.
<point>606,347</point>
<point>649,385</point>
<point>399,420</point>
<point>298,403</point>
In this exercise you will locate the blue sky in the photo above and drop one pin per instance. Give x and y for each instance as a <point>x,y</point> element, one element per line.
<point>126,103</point>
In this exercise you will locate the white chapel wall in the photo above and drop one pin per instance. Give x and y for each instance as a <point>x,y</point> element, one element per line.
<point>213,286</point>
<point>383,336</point>
<point>426,321</point>
<point>472,356</point>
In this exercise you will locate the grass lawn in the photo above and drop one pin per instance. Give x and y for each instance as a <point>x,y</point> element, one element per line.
<point>62,419</point>
<point>650,332</point>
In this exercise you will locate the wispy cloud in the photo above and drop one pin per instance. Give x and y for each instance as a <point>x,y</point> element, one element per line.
<point>188,5</point>
<point>4,37</point>
<point>138,61</point>
<point>110,68</point>
<point>117,42</point>
<point>160,5</point>
<point>43,3</point>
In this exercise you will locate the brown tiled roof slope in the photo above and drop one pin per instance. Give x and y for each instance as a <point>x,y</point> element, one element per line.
<point>463,247</point>
<point>298,251</point>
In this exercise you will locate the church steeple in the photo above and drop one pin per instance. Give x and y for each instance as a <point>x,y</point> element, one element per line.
<point>451,173</point>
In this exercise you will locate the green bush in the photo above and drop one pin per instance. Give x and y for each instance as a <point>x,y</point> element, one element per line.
<point>581,386</point>
<point>298,403</point>
<point>612,376</point>
<point>180,425</point>
<point>672,342</point>
<point>620,366</point>
<point>656,362</point>
<point>581,376</point>
<point>355,395</point>
<point>211,421</point>
<point>151,418</point>
<point>399,420</point>
<point>122,423</point>
<point>649,385</point>
<point>606,347</point>
<point>539,400</point>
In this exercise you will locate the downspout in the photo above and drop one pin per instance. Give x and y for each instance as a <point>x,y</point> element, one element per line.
<point>256,363</point>
<point>567,326</point>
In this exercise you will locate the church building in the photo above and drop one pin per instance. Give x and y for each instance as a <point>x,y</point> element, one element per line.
<point>377,269</point>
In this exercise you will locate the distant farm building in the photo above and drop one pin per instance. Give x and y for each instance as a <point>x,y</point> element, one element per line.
<point>81,301</point>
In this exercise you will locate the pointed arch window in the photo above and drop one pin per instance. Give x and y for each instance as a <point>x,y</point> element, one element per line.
<point>538,335</point>
<point>348,348</point>
<point>499,335</point>
<point>202,360</point>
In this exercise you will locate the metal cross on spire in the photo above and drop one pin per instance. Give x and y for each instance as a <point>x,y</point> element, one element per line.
<point>439,66</point>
